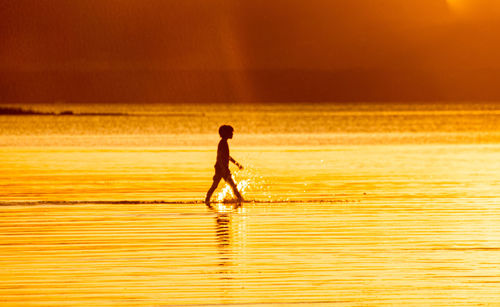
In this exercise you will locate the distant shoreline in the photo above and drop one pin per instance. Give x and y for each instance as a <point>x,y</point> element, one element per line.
<point>21,111</point>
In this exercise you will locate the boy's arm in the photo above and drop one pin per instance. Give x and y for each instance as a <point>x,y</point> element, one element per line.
<point>235,163</point>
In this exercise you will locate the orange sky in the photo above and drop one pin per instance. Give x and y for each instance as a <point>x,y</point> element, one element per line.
<point>122,40</point>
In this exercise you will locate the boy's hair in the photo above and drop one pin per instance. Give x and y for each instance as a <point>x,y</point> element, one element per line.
<point>225,131</point>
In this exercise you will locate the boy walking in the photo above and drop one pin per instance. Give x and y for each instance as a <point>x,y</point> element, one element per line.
<point>222,165</point>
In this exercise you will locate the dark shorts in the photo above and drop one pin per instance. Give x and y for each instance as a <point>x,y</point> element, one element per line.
<point>222,173</point>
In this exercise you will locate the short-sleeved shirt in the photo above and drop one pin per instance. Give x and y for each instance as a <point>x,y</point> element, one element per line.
<point>222,155</point>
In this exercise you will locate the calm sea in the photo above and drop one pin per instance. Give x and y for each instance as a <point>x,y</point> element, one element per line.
<point>349,204</point>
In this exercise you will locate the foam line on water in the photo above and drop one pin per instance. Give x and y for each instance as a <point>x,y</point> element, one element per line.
<point>165,202</point>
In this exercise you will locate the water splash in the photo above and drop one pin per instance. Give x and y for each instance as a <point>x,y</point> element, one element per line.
<point>227,193</point>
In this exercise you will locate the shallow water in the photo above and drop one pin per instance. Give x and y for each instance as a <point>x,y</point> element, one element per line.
<point>347,205</point>
<point>373,172</point>
<point>431,253</point>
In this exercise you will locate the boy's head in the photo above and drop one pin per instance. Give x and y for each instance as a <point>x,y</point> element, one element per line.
<point>226,132</point>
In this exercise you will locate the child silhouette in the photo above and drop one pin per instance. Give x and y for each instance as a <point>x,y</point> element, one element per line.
<point>222,165</point>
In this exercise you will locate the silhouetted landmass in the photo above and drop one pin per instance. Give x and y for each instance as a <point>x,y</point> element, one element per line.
<point>21,111</point>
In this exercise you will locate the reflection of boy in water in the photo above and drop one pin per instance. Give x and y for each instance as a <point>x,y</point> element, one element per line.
<point>222,164</point>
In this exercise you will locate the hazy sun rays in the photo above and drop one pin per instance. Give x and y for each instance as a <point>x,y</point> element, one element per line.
<point>475,8</point>
<point>233,54</point>
<point>458,6</point>
<point>456,3</point>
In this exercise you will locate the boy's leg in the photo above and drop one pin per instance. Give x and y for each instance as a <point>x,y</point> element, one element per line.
<point>212,188</point>
<point>230,180</point>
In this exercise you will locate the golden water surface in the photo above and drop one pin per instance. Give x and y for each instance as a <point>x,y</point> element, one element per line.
<point>354,206</point>
<point>427,253</point>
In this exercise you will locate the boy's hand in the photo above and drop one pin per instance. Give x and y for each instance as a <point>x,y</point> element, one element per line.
<point>239,165</point>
